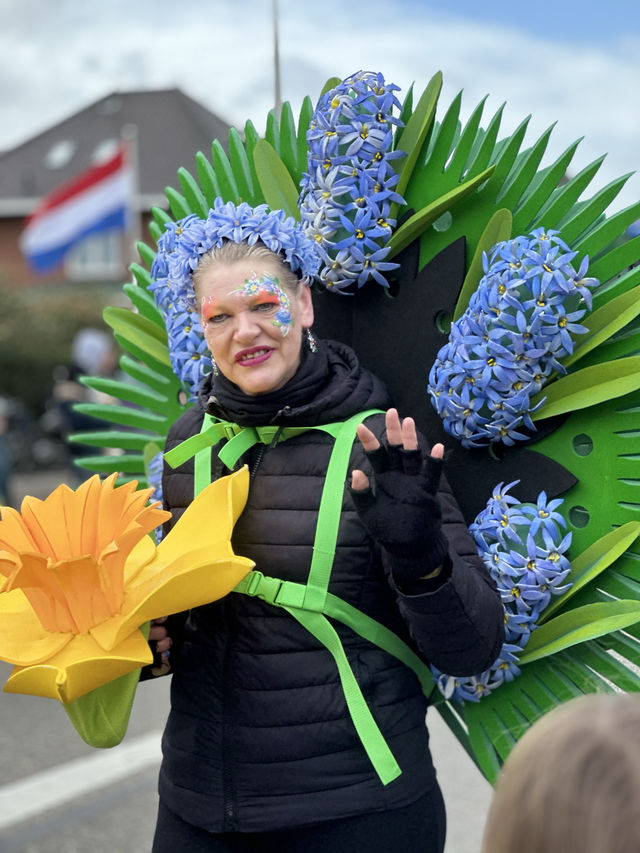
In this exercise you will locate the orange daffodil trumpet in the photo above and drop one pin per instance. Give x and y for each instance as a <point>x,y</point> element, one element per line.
<point>79,576</point>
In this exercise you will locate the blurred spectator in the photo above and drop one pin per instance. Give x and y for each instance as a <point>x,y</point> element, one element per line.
<point>92,354</point>
<point>572,783</point>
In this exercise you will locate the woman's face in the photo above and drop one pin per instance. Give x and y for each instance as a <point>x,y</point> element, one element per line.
<point>252,325</point>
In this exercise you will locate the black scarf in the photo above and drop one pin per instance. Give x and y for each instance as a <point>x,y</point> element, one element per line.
<point>329,385</point>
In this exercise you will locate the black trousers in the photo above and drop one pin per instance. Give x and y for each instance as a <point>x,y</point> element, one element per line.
<point>417,828</point>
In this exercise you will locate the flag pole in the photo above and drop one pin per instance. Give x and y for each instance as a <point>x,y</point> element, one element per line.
<point>133,233</point>
<point>276,62</point>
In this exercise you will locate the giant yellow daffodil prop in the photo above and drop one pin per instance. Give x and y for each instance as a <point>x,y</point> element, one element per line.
<point>79,576</point>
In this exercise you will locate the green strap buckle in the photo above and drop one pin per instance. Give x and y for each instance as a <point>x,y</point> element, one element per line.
<point>261,586</point>
<point>274,591</point>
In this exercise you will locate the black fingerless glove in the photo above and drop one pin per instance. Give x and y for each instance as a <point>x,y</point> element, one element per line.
<point>401,511</point>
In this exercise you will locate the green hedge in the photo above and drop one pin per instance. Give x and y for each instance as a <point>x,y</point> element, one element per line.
<point>37,326</point>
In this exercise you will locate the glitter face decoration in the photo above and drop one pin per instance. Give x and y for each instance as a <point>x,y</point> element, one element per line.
<point>266,290</point>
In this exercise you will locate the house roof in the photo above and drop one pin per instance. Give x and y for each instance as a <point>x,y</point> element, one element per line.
<point>171,128</point>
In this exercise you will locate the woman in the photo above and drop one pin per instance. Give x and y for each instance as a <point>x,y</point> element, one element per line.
<point>572,783</point>
<point>262,750</point>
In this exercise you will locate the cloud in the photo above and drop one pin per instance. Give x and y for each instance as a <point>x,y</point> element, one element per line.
<point>76,52</point>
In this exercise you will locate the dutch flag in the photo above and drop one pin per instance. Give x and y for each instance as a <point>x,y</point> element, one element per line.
<point>96,200</point>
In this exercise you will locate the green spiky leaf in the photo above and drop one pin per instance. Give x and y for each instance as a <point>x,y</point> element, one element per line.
<point>208,180</point>
<point>121,439</point>
<point>239,164</point>
<point>535,197</point>
<point>576,626</point>
<point>604,322</point>
<point>251,139</point>
<point>125,416</point>
<point>144,303</point>
<point>164,381</point>
<point>160,216</point>
<point>588,386</point>
<point>226,179</point>
<point>151,450</point>
<point>146,253</point>
<point>331,83</point>
<point>140,332</point>
<point>272,131</point>
<point>177,203</point>
<point>415,133</point>
<point>498,229</point>
<point>125,391</point>
<point>275,181</point>
<point>597,557</point>
<point>192,193</point>
<point>126,463</point>
<point>289,142</point>
<point>306,113</point>
<point>419,222</point>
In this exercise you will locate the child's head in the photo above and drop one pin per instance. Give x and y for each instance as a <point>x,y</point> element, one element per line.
<point>572,783</point>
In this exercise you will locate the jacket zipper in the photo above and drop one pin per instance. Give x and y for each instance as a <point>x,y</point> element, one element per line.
<point>256,461</point>
<point>229,817</point>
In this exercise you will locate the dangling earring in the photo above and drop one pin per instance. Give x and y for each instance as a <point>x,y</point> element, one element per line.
<point>216,371</point>
<point>311,341</point>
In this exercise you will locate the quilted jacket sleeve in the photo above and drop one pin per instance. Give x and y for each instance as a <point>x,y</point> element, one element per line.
<point>457,618</point>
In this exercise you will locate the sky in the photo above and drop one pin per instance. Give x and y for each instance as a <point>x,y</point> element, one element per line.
<point>574,63</point>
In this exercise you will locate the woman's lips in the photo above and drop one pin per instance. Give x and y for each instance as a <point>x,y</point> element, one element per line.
<point>254,355</point>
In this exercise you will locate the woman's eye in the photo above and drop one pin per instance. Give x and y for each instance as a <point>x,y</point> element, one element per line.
<point>264,306</point>
<point>216,319</point>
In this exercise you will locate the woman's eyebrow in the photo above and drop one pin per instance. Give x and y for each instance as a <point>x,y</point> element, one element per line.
<point>266,296</point>
<point>209,306</point>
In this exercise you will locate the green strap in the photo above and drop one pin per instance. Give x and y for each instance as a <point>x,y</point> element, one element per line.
<point>324,546</point>
<point>311,603</point>
<point>290,595</point>
<point>239,440</point>
<point>370,735</point>
<point>211,433</point>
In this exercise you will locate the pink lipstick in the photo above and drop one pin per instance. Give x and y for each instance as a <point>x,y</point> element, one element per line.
<point>253,356</point>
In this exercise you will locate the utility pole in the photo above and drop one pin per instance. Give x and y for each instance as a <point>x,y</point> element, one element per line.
<point>276,62</point>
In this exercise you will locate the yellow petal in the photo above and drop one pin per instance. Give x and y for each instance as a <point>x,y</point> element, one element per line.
<point>14,534</point>
<point>140,556</point>
<point>79,512</point>
<point>80,667</point>
<point>181,576</point>
<point>209,518</point>
<point>49,515</point>
<point>23,640</point>
<point>12,602</point>
<point>33,512</point>
<point>197,577</point>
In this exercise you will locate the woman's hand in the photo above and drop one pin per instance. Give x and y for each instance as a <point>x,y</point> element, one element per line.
<point>158,635</point>
<point>160,643</point>
<point>400,510</point>
<point>399,435</point>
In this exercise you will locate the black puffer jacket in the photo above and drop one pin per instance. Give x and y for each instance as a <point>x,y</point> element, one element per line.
<point>259,736</point>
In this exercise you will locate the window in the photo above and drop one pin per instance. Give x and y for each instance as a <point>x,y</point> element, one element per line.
<point>60,154</point>
<point>97,257</point>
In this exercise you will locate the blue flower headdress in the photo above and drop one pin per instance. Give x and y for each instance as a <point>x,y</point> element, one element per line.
<point>524,548</point>
<point>348,188</point>
<point>180,249</point>
<point>510,341</point>
<point>183,244</point>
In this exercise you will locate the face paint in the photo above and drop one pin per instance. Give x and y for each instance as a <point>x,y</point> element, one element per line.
<point>267,290</point>
<point>208,307</point>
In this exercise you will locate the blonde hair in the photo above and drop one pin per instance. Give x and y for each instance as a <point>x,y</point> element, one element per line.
<point>572,783</point>
<point>231,253</point>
